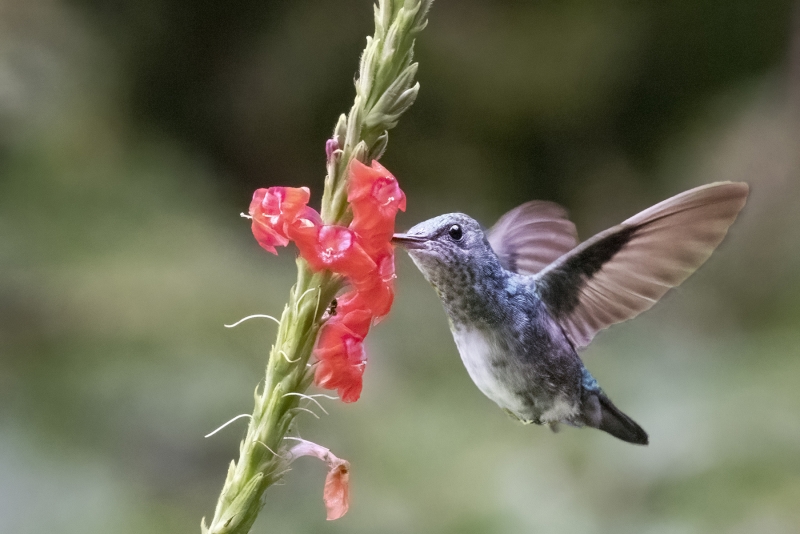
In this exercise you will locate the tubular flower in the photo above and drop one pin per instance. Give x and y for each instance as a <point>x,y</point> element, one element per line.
<point>272,210</point>
<point>376,293</point>
<point>304,230</point>
<point>335,248</point>
<point>345,379</point>
<point>352,312</point>
<point>375,197</point>
<point>340,352</point>
<point>362,253</point>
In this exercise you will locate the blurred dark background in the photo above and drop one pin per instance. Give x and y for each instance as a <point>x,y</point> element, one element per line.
<point>133,133</point>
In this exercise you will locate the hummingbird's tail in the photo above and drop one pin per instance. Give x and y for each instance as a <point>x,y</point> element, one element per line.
<point>602,414</point>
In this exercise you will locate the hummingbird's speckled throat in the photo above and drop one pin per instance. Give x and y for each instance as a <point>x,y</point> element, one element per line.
<point>472,292</point>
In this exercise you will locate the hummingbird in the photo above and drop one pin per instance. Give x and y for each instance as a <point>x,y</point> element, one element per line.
<point>524,297</point>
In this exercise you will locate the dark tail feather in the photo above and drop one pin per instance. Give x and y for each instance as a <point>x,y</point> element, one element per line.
<point>616,423</point>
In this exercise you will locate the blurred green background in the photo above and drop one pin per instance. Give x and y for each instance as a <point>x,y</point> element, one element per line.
<point>133,133</point>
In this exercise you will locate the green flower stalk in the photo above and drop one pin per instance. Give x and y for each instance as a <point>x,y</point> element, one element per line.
<point>385,89</point>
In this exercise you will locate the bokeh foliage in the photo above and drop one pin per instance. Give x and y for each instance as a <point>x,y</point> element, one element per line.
<point>133,133</point>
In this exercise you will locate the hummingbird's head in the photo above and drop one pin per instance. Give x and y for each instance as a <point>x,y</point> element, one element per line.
<point>448,249</point>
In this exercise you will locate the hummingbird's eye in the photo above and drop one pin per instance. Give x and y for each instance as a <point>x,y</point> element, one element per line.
<point>455,232</point>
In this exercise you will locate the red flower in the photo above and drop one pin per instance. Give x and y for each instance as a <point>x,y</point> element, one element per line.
<point>268,237</point>
<point>305,227</point>
<point>345,379</point>
<point>362,253</point>
<point>375,197</point>
<point>376,293</point>
<point>272,210</point>
<point>340,352</point>
<point>376,184</point>
<point>353,313</point>
<point>335,248</point>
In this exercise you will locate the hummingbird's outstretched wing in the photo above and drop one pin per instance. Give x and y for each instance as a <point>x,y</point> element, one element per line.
<point>532,236</point>
<point>623,271</point>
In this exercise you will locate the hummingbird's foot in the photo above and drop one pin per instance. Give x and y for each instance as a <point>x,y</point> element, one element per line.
<point>554,426</point>
<point>515,417</point>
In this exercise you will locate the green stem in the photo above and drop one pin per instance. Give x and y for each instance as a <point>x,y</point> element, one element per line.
<point>385,89</point>
<point>258,466</point>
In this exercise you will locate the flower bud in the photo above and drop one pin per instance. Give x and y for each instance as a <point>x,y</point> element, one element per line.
<point>331,145</point>
<point>379,146</point>
<point>405,100</point>
<point>360,152</point>
<point>340,131</point>
<point>354,123</point>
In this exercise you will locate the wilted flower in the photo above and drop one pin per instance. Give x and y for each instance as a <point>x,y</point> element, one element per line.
<point>337,490</point>
<point>336,493</point>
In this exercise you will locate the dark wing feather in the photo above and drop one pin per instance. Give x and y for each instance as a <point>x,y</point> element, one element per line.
<point>532,236</point>
<point>625,270</point>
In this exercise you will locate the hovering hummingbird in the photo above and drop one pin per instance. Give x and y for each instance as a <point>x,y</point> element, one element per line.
<point>524,297</point>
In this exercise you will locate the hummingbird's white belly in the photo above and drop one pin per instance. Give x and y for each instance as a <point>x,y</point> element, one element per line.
<point>485,364</point>
<point>478,352</point>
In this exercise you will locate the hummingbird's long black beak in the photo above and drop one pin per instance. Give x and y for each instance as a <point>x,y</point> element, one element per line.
<point>409,241</point>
